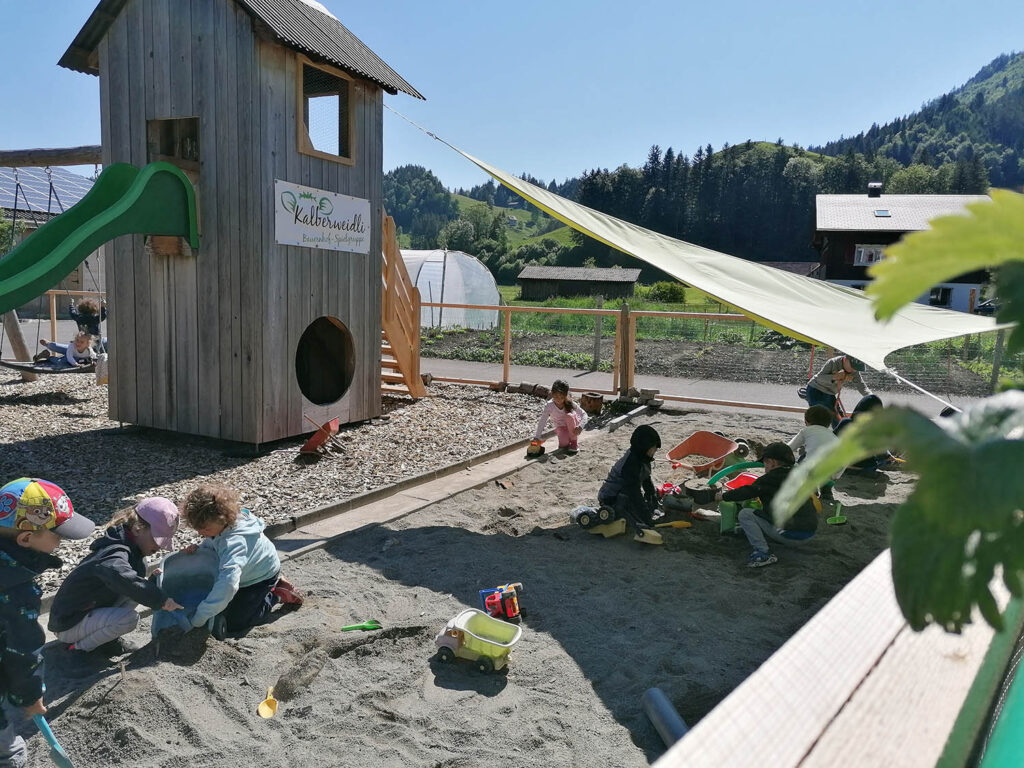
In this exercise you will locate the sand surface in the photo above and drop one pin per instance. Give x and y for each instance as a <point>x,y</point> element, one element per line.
<point>604,620</point>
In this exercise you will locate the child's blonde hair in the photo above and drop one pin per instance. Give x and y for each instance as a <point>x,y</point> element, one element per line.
<point>83,335</point>
<point>211,503</point>
<point>128,518</point>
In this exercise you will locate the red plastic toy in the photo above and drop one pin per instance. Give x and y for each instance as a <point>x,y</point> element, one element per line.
<point>502,602</point>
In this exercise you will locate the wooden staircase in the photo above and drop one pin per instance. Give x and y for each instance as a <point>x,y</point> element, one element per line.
<point>400,321</point>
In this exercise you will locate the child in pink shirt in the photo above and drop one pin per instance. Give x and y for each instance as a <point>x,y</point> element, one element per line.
<point>567,416</point>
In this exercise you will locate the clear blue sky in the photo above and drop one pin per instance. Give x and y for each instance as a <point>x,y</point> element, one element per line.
<point>561,86</point>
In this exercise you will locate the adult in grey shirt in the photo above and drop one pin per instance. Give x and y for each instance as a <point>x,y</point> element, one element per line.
<point>824,387</point>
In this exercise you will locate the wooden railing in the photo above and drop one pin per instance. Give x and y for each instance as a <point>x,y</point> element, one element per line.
<point>400,311</point>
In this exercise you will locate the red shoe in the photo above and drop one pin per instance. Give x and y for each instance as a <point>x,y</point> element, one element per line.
<point>286,592</point>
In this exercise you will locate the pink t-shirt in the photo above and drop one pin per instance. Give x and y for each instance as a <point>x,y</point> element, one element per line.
<point>560,417</point>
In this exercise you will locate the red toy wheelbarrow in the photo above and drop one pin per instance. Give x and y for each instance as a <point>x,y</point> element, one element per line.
<point>714,448</point>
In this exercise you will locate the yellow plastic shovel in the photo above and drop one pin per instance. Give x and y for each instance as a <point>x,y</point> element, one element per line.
<point>267,707</point>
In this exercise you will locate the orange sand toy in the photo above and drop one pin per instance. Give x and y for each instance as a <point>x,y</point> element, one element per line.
<point>714,447</point>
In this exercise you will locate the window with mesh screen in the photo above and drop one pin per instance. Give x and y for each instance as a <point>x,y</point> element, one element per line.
<point>325,109</point>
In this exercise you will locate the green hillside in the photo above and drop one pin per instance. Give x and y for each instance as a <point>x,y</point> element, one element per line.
<point>521,226</point>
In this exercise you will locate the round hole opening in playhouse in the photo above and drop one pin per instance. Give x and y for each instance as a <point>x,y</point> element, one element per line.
<point>325,361</point>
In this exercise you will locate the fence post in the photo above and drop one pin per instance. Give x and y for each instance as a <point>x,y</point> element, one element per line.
<point>53,316</point>
<point>997,360</point>
<point>507,355</point>
<point>598,322</point>
<point>624,345</point>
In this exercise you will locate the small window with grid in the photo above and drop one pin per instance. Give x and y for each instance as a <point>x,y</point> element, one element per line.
<point>326,113</point>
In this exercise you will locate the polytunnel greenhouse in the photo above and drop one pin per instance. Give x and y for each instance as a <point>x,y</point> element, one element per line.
<point>453,277</point>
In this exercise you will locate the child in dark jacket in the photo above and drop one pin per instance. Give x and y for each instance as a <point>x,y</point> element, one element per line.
<point>96,604</point>
<point>757,524</point>
<point>34,517</point>
<point>629,489</point>
<point>87,316</point>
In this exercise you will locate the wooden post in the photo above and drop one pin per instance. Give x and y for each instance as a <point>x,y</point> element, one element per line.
<point>13,330</point>
<point>507,357</point>
<point>53,317</point>
<point>810,366</point>
<point>598,322</point>
<point>626,329</point>
<point>631,354</point>
<point>617,354</point>
<point>997,360</point>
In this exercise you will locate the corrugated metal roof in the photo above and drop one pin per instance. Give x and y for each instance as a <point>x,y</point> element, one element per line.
<point>907,213</point>
<point>35,189</point>
<point>298,24</point>
<point>587,274</point>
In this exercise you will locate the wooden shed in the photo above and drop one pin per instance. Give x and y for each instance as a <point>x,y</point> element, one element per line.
<point>540,283</point>
<point>274,111</point>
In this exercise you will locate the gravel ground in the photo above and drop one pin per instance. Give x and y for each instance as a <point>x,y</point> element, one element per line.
<point>57,428</point>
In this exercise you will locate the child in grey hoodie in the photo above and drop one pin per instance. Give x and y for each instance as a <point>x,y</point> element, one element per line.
<point>249,582</point>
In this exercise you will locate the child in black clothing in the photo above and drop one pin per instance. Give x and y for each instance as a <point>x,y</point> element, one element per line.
<point>95,605</point>
<point>629,489</point>
<point>29,532</point>
<point>757,524</point>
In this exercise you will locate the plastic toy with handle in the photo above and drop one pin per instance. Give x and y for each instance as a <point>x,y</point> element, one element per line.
<point>366,626</point>
<point>57,754</point>
<point>733,468</point>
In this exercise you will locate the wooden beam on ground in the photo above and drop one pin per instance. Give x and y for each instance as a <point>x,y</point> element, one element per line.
<point>40,158</point>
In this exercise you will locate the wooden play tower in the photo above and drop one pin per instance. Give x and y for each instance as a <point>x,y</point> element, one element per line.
<point>273,110</point>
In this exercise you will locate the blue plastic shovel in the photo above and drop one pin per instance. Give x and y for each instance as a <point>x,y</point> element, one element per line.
<point>57,754</point>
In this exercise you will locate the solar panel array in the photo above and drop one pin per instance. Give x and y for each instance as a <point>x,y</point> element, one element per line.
<point>69,188</point>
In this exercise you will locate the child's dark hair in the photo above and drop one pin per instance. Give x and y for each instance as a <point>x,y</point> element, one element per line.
<point>88,307</point>
<point>562,386</point>
<point>818,416</point>
<point>211,504</point>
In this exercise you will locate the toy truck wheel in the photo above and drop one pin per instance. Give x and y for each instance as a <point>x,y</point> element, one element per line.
<point>604,515</point>
<point>446,654</point>
<point>484,665</point>
<point>584,520</point>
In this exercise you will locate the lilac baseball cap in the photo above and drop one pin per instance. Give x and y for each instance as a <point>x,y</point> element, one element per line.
<point>162,516</point>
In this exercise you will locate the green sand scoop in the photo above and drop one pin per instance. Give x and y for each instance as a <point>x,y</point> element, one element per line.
<point>366,625</point>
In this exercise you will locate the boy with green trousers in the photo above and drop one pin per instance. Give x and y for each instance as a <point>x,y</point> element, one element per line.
<point>34,516</point>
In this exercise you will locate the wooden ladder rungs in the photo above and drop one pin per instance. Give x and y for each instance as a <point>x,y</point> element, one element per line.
<point>392,378</point>
<point>389,364</point>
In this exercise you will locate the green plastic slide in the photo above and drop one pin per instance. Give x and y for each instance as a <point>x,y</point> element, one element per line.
<point>156,200</point>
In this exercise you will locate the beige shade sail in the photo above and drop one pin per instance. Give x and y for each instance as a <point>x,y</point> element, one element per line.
<point>802,307</point>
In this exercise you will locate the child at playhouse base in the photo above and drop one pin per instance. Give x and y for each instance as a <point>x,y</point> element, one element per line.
<point>249,582</point>
<point>34,517</point>
<point>629,489</point>
<point>95,606</point>
<point>757,524</point>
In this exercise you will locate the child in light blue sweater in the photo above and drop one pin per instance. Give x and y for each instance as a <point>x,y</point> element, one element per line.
<point>249,582</point>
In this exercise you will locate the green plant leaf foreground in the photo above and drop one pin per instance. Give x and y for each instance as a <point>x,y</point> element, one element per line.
<point>990,235</point>
<point>1010,290</point>
<point>963,519</point>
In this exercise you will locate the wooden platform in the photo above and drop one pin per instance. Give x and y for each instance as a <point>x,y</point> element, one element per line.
<point>855,686</point>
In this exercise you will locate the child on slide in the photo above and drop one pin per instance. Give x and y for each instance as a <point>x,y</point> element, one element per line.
<point>78,352</point>
<point>629,489</point>
<point>249,582</point>
<point>96,604</point>
<point>567,416</point>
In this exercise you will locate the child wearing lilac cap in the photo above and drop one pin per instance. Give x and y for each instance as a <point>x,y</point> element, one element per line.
<point>96,604</point>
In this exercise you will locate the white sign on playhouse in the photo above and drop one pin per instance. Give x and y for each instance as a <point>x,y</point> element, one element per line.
<point>315,218</point>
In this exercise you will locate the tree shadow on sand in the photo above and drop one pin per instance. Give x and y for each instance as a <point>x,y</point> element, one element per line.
<point>686,617</point>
